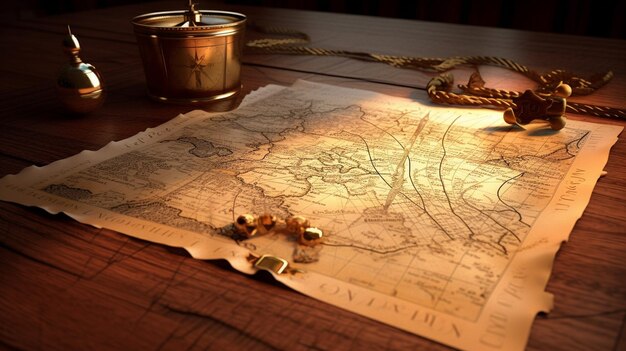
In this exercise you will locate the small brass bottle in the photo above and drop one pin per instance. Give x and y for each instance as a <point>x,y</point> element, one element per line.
<point>79,85</point>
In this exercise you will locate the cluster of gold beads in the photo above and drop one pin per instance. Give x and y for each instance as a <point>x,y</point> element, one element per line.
<point>250,225</point>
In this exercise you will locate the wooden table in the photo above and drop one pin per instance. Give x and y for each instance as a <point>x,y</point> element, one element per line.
<point>68,286</point>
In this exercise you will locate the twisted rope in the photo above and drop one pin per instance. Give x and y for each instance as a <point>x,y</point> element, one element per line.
<point>438,91</point>
<point>439,88</point>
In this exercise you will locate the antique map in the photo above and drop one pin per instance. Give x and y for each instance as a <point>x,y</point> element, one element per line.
<point>443,222</point>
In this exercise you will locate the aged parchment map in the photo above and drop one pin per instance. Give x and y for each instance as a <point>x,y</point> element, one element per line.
<point>443,222</point>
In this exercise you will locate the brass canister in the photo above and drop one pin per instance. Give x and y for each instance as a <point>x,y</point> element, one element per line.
<point>191,56</point>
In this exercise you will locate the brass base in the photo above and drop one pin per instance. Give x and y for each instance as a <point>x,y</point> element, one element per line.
<point>75,101</point>
<point>195,101</point>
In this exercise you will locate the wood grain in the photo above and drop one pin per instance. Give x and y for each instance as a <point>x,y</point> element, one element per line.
<point>65,285</point>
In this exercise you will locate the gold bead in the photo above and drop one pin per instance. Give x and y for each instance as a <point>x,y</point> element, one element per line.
<point>563,90</point>
<point>509,116</point>
<point>311,236</point>
<point>265,223</point>
<point>297,225</point>
<point>246,224</point>
<point>557,123</point>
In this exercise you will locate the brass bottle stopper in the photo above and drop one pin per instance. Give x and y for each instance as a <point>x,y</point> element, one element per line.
<point>79,85</point>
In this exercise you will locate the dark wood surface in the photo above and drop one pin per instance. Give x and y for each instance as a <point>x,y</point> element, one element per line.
<point>68,286</point>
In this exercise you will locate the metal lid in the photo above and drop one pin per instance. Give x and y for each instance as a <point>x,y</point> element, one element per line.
<point>190,21</point>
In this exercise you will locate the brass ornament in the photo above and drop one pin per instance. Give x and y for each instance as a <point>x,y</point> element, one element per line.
<point>246,224</point>
<point>311,236</point>
<point>271,263</point>
<point>298,229</point>
<point>296,225</point>
<point>530,106</point>
<point>265,223</point>
<point>79,85</point>
<point>249,225</point>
